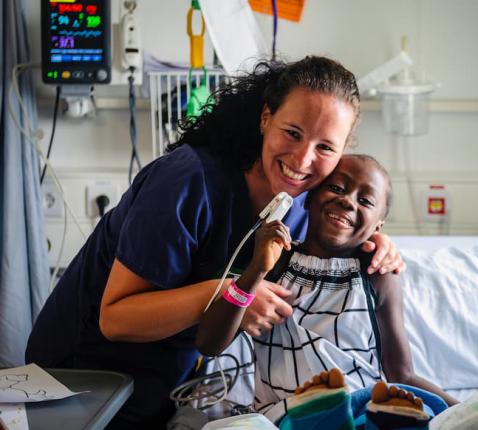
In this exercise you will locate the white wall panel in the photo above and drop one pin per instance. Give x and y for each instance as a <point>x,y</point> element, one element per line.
<point>362,34</point>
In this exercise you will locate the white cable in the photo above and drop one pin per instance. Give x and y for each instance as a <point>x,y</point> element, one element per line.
<point>202,388</point>
<point>14,85</point>
<point>224,382</point>
<point>199,389</point>
<point>33,137</point>
<point>219,286</point>
<point>216,292</point>
<point>276,209</point>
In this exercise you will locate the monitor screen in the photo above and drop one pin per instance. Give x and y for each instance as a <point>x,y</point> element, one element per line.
<point>76,41</point>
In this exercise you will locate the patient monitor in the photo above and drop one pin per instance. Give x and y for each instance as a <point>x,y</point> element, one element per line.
<point>76,42</point>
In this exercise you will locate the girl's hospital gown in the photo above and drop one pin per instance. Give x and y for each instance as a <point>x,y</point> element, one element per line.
<point>178,224</point>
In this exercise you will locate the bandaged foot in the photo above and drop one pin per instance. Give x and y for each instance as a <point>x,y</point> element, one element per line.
<point>395,408</point>
<point>324,401</point>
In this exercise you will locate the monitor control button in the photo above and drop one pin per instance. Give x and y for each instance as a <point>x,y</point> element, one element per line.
<point>101,75</point>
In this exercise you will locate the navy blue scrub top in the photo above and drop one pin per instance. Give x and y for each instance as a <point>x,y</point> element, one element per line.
<point>178,224</point>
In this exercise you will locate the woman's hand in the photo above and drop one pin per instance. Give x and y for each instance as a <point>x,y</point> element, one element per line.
<point>270,239</point>
<point>386,257</point>
<point>268,308</point>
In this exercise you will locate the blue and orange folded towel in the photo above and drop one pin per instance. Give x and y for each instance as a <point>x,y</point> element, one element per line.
<point>326,403</point>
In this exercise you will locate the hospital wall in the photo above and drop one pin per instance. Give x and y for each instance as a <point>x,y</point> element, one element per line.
<point>362,34</point>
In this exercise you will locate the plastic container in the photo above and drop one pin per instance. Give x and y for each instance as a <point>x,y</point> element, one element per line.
<point>405,108</point>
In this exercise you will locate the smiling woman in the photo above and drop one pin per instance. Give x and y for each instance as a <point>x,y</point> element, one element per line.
<point>130,299</point>
<point>303,142</point>
<point>287,130</point>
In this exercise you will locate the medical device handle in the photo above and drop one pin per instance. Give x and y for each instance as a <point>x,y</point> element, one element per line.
<point>275,210</point>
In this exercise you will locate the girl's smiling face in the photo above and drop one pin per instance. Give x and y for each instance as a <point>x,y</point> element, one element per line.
<point>303,140</point>
<point>347,208</point>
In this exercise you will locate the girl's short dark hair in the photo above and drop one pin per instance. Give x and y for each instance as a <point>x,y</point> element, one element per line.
<point>229,127</point>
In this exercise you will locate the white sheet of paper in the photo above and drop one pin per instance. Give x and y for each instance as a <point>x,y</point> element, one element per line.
<point>30,384</point>
<point>235,34</point>
<point>14,416</point>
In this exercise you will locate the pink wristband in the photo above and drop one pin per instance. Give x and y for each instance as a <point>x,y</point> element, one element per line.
<point>238,297</point>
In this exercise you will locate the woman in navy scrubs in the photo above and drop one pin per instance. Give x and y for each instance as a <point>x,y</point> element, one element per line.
<point>131,298</point>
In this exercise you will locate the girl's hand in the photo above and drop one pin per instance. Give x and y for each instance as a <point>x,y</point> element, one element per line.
<point>270,239</point>
<point>268,308</point>
<point>386,257</point>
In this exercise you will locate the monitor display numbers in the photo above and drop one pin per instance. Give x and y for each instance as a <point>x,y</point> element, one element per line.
<point>63,42</point>
<point>76,31</point>
<point>75,39</point>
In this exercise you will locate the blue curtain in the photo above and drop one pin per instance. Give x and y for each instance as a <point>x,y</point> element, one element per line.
<point>24,272</point>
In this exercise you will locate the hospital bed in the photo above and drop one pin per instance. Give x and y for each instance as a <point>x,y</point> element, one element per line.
<point>440,290</point>
<point>440,308</point>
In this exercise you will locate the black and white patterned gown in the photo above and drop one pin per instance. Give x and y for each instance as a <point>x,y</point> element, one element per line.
<point>330,327</point>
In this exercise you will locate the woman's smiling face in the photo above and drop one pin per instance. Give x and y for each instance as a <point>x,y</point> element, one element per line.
<point>304,140</point>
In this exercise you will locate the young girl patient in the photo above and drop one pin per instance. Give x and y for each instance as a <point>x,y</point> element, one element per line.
<point>332,324</point>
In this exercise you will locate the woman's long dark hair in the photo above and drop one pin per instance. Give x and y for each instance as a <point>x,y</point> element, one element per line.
<point>229,129</point>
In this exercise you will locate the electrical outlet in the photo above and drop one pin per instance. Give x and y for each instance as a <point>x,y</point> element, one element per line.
<point>53,206</point>
<point>100,188</point>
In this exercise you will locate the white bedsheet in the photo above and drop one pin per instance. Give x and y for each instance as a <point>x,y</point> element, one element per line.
<point>462,395</point>
<point>441,306</point>
<point>433,243</point>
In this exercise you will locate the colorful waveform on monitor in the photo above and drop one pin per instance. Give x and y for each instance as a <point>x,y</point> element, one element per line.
<point>80,33</point>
